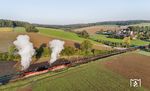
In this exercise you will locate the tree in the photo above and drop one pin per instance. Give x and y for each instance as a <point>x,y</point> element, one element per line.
<point>30,28</point>
<point>83,34</point>
<point>86,46</point>
<point>68,51</point>
<point>127,41</point>
<point>11,52</point>
<point>46,52</point>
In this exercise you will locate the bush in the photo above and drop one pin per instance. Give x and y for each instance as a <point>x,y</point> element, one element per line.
<point>46,52</point>
<point>68,51</point>
<point>83,34</point>
<point>30,28</point>
<point>86,46</point>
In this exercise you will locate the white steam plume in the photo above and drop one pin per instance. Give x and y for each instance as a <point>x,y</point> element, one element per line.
<point>26,50</point>
<point>57,46</point>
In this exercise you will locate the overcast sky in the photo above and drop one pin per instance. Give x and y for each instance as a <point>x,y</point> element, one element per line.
<point>74,11</point>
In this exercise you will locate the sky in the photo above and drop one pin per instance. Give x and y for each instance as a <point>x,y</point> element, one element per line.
<point>74,11</point>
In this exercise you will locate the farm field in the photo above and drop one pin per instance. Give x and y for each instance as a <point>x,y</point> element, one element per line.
<point>7,38</point>
<point>103,37</point>
<point>133,65</point>
<point>141,24</point>
<point>60,34</point>
<point>144,53</point>
<point>19,29</point>
<point>6,29</point>
<point>9,29</point>
<point>94,29</point>
<point>93,76</point>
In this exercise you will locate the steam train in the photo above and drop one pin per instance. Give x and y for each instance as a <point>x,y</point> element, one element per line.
<point>40,68</point>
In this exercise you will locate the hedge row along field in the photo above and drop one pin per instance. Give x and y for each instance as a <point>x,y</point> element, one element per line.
<point>133,42</point>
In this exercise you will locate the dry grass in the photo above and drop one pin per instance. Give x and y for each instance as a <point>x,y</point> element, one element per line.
<point>6,29</point>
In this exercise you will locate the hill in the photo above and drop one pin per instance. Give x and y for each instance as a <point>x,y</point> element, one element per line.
<point>44,36</point>
<point>66,35</point>
<point>75,26</point>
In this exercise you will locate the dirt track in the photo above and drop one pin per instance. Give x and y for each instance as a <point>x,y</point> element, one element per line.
<point>131,66</point>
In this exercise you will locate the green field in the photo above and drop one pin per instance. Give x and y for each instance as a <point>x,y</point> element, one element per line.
<point>144,53</point>
<point>19,29</point>
<point>134,42</point>
<point>87,77</point>
<point>56,33</point>
<point>141,24</point>
<point>61,34</point>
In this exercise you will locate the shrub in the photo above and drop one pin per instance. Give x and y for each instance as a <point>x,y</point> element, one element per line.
<point>30,28</point>
<point>86,46</point>
<point>68,51</point>
<point>83,34</point>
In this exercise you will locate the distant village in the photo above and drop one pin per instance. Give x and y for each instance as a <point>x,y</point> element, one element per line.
<point>134,32</point>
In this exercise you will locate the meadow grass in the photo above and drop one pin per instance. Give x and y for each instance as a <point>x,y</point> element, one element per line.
<point>19,29</point>
<point>61,34</point>
<point>133,42</point>
<point>144,53</point>
<point>141,24</point>
<point>92,76</point>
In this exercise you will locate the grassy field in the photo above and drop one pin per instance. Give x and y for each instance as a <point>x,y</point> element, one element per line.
<point>61,34</point>
<point>19,29</point>
<point>88,77</point>
<point>44,36</point>
<point>134,42</point>
<point>141,24</point>
<point>55,33</point>
<point>144,53</point>
<point>58,33</point>
<point>6,29</point>
<point>103,37</point>
<point>131,65</point>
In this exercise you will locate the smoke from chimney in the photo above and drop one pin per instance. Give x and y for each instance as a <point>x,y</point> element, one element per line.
<point>57,46</point>
<point>26,50</point>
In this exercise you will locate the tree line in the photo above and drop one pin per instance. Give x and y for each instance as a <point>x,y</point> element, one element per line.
<point>84,49</point>
<point>9,23</point>
<point>75,26</point>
